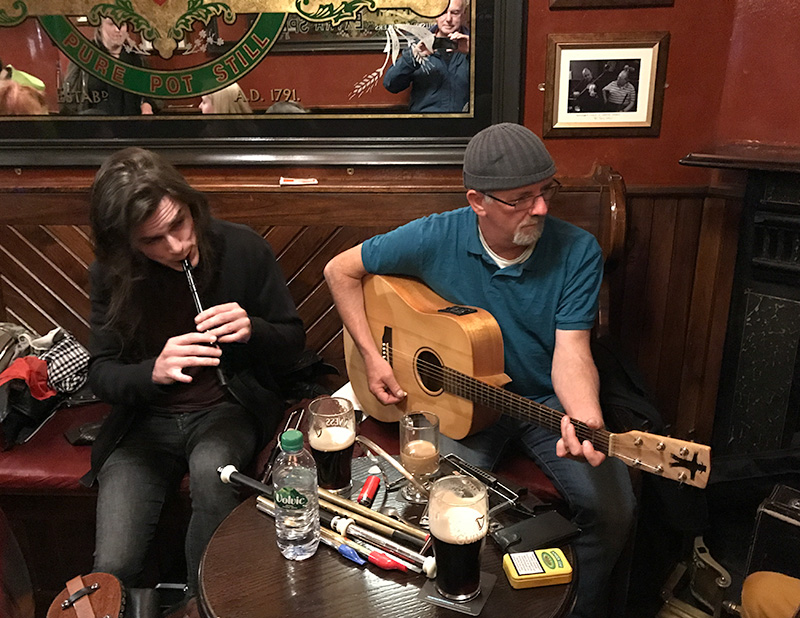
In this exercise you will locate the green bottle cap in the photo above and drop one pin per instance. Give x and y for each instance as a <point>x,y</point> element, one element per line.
<point>292,440</point>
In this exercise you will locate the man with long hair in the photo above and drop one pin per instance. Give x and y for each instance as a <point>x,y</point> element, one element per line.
<point>189,391</point>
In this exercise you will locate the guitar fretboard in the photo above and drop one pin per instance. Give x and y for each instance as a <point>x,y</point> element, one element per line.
<point>512,404</point>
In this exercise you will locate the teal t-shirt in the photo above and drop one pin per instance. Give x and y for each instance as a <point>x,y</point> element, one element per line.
<point>556,288</point>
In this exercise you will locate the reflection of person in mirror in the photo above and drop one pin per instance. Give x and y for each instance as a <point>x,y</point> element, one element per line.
<point>18,100</point>
<point>620,95</point>
<point>83,93</point>
<point>229,100</point>
<point>21,77</point>
<point>540,278</point>
<point>440,82</point>
<point>189,391</point>
<point>287,107</point>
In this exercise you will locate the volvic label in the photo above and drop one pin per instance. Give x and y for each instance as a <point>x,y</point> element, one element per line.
<point>290,498</point>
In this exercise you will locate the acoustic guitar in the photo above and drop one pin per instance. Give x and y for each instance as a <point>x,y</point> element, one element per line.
<point>449,359</point>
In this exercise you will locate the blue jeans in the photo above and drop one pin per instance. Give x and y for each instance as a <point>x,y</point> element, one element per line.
<point>149,462</point>
<point>601,499</point>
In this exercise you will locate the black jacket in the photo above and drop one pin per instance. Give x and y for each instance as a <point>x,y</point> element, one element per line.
<point>248,273</point>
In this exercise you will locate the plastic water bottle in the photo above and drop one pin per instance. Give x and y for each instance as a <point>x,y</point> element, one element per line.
<point>294,478</point>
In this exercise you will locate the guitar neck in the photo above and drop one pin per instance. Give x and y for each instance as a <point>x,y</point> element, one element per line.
<point>519,407</point>
<point>681,461</point>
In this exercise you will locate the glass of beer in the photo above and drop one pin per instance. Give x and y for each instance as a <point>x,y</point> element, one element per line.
<point>331,436</point>
<point>459,520</point>
<point>419,451</point>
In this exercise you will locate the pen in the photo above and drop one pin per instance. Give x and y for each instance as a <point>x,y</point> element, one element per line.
<point>187,269</point>
<point>348,528</point>
<point>345,546</point>
<point>329,537</point>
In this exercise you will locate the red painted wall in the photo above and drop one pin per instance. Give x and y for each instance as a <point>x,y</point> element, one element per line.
<point>696,69</point>
<point>762,84</point>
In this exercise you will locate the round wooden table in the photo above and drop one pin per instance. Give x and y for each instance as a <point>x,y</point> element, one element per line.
<point>243,575</point>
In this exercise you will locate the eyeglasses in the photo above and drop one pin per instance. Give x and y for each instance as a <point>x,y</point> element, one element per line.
<point>527,201</point>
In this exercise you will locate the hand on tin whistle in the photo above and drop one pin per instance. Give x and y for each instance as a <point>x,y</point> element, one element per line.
<point>183,352</point>
<point>229,323</point>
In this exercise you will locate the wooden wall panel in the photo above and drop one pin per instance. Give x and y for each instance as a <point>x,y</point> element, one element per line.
<point>678,277</point>
<point>675,277</point>
<point>43,277</point>
<point>705,332</point>
<point>682,261</point>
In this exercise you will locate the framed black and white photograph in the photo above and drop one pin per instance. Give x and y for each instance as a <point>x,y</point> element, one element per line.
<point>605,85</point>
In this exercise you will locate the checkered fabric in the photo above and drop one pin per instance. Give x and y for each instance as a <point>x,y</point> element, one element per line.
<point>67,364</point>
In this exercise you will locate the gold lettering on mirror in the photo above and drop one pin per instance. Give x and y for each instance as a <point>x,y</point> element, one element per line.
<point>116,60</point>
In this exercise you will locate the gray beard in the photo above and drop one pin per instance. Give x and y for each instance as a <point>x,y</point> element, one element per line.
<point>529,236</point>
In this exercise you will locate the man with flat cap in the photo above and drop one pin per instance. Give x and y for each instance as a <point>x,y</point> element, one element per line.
<point>539,277</point>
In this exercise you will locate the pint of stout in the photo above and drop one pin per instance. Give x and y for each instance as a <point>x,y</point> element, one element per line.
<point>331,436</point>
<point>458,517</point>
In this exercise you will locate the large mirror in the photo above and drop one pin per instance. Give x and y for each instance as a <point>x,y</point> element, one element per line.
<point>239,78</point>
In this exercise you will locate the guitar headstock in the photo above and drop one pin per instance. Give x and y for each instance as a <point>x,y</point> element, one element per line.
<point>679,460</point>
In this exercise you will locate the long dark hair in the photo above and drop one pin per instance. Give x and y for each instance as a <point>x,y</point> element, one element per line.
<point>126,191</point>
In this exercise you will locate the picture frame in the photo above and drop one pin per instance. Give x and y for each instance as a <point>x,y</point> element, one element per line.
<point>605,85</point>
<point>608,4</point>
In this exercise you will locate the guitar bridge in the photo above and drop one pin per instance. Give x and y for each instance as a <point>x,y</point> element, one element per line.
<point>386,345</point>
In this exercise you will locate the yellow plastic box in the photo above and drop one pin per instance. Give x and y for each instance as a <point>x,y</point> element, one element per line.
<point>542,567</point>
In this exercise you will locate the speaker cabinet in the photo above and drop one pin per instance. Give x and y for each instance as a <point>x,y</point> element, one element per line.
<point>776,539</point>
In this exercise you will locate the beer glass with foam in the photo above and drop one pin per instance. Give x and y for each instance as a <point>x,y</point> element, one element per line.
<point>458,517</point>
<point>331,436</point>
<point>419,451</point>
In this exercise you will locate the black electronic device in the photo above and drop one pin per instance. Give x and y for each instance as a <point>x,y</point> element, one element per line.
<point>444,44</point>
<point>776,539</point>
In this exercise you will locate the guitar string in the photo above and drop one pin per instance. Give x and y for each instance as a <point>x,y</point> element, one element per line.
<point>498,398</point>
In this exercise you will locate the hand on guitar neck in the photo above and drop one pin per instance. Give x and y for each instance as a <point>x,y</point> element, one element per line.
<point>577,386</point>
<point>571,447</point>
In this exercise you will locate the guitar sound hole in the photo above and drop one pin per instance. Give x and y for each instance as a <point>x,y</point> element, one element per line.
<point>429,370</point>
